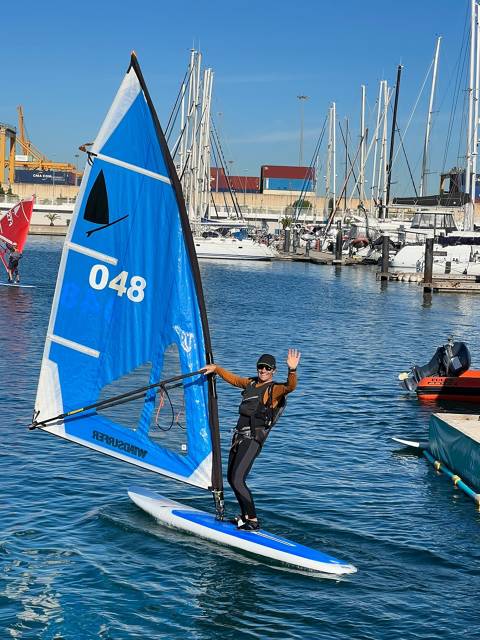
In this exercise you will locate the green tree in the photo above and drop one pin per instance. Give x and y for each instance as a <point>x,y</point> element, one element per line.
<point>52,217</point>
<point>302,204</point>
<point>286,222</point>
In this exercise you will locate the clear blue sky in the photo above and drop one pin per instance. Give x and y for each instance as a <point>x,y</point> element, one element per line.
<point>63,61</point>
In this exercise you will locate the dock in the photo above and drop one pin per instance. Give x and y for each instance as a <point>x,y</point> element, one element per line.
<point>454,440</point>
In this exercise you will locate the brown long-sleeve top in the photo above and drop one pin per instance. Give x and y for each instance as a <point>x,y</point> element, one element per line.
<point>279,390</point>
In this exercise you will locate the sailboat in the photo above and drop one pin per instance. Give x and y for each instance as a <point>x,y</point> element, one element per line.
<point>14,226</point>
<point>128,293</point>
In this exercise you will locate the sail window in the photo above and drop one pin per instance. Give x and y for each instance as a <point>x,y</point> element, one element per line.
<point>168,421</point>
<point>126,414</point>
<point>96,209</point>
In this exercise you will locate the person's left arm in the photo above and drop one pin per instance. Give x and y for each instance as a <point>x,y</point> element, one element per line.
<point>280,390</point>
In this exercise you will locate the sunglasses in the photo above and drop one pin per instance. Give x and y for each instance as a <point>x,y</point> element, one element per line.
<point>264,366</point>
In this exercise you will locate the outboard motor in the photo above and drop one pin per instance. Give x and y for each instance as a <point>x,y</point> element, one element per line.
<point>448,361</point>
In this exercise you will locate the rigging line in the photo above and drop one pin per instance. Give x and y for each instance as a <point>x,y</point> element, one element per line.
<point>460,70</point>
<point>108,402</point>
<point>215,160</point>
<point>189,154</point>
<point>164,389</point>
<point>236,206</point>
<point>335,204</point>
<point>349,159</point>
<point>406,160</point>
<point>463,126</point>
<point>176,107</point>
<point>412,112</point>
<point>316,151</point>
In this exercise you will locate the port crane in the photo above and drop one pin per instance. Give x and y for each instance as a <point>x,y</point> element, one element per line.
<point>30,157</point>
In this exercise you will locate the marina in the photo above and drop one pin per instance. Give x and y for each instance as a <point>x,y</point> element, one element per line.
<point>168,215</point>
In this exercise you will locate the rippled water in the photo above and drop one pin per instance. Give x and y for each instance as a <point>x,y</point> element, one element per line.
<point>79,560</point>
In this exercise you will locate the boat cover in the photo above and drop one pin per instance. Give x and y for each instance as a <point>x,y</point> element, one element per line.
<point>454,439</point>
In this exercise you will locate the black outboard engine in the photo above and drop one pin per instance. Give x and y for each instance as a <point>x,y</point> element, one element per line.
<point>448,361</point>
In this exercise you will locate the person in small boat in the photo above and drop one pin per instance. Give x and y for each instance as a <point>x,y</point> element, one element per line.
<point>13,260</point>
<point>262,400</point>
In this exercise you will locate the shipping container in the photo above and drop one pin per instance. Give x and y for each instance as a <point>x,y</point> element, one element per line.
<point>37,176</point>
<point>287,184</point>
<point>239,184</point>
<point>294,173</point>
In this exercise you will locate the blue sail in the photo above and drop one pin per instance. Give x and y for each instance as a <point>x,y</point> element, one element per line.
<point>129,288</point>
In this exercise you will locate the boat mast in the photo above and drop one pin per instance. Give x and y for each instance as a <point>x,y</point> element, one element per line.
<point>346,163</point>
<point>471,144</point>
<point>374,186</point>
<point>334,155</point>
<point>473,179</point>
<point>328,171</point>
<point>423,181</point>
<point>392,140</point>
<point>361,179</point>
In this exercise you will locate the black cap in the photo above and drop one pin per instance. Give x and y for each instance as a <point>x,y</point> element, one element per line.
<point>268,360</point>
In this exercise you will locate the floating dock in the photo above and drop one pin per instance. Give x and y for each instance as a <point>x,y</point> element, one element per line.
<point>454,445</point>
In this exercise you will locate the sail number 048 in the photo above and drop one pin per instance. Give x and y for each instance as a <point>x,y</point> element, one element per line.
<point>100,278</point>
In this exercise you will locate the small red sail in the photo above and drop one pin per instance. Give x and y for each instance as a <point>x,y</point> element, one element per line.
<point>14,226</point>
<point>15,223</point>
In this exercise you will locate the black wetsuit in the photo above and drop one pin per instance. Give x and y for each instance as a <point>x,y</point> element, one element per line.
<point>250,432</point>
<point>13,261</point>
<point>248,438</point>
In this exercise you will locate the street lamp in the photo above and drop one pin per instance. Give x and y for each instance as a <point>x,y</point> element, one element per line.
<point>77,155</point>
<point>302,100</point>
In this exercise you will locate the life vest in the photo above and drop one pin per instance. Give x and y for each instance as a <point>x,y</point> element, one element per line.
<point>256,417</point>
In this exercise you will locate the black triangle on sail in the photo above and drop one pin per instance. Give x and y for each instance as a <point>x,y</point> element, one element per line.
<point>96,209</point>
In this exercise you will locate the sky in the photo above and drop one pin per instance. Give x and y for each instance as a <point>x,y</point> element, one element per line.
<point>63,62</point>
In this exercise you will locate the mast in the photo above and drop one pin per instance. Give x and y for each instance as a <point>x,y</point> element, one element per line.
<point>330,156</point>
<point>423,181</point>
<point>392,140</point>
<point>374,186</point>
<point>217,475</point>
<point>469,207</point>
<point>334,154</point>
<point>361,180</point>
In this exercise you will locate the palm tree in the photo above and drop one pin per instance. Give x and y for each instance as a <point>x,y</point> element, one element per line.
<point>52,217</point>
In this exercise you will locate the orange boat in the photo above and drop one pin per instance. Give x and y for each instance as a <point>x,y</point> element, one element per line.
<point>463,388</point>
<point>446,377</point>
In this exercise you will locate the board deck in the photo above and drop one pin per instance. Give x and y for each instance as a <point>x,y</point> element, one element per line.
<point>411,443</point>
<point>261,543</point>
<point>15,284</point>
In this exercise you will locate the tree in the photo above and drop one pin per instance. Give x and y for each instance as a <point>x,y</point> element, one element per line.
<point>286,222</point>
<point>2,191</point>
<point>52,217</point>
<point>302,204</point>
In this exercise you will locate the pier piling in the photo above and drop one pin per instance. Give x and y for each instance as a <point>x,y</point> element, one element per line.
<point>428,268</point>
<point>385,257</point>
<point>338,244</point>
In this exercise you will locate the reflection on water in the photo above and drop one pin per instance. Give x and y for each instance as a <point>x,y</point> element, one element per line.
<point>80,561</point>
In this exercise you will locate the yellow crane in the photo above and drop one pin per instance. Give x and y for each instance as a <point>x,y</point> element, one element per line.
<point>36,159</point>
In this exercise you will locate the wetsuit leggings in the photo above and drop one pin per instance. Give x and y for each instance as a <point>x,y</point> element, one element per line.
<point>242,456</point>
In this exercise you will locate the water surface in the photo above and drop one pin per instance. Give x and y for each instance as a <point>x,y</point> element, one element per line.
<point>79,560</point>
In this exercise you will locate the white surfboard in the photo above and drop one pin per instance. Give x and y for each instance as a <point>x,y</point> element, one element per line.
<point>411,443</point>
<point>261,543</point>
<point>16,284</point>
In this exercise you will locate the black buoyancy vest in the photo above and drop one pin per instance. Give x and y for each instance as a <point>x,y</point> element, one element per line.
<point>254,413</point>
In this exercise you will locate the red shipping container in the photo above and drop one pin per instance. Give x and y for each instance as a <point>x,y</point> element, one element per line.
<point>240,184</point>
<point>294,173</point>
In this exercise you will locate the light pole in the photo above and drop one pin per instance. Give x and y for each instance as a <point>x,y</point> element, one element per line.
<point>77,155</point>
<point>302,100</point>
